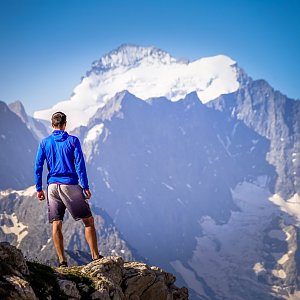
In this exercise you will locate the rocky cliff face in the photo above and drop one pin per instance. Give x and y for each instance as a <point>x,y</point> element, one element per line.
<point>105,279</point>
<point>24,224</point>
<point>274,116</point>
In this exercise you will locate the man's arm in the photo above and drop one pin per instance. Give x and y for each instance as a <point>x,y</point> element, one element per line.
<point>80,165</point>
<point>39,164</point>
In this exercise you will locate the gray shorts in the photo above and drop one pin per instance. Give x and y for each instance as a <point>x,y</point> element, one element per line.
<point>62,196</point>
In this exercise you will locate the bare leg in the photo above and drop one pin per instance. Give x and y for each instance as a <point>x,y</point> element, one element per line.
<point>58,240</point>
<point>91,237</point>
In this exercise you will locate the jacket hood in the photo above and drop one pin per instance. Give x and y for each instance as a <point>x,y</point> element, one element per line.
<point>59,135</point>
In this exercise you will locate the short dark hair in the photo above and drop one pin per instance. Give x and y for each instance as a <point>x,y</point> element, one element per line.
<point>58,119</point>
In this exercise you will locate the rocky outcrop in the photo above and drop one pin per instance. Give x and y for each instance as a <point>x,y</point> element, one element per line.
<point>107,278</point>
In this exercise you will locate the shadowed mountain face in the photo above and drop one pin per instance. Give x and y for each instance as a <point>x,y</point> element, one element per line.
<point>36,127</point>
<point>18,149</point>
<point>275,117</point>
<point>158,167</point>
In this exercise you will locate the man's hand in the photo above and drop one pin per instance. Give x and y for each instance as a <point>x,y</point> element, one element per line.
<point>87,193</point>
<point>40,195</point>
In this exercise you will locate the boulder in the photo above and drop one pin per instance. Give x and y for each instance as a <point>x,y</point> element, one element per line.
<point>109,278</point>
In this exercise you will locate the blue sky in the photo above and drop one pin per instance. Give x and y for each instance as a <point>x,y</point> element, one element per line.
<point>48,45</point>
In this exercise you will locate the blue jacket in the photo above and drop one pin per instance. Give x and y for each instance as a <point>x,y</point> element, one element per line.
<point>64,159</point>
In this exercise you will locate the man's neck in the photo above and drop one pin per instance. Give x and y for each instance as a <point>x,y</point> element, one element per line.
<point>63,128</point>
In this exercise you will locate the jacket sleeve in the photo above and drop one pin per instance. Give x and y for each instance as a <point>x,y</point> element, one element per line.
<point>80,165</point>
<point>39,163</point>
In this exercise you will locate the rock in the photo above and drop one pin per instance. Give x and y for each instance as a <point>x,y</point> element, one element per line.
<point>22,289</point>
<point>100,295</point>
<point>138,278</point>
<point>109,278</point>
<point>69,288</point>
<point>144,282</point>
<point>13,273</point>
<point>111,266</point>
<point>13,258</point>
<point>116,280</point>
<point>83,287</point>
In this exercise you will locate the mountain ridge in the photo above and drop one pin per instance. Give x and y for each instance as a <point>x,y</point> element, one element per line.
<point>129,55</point>
<point>154,73</point>
<point>24,222</point>
<point>275,117</point>
<point>18,145</point>
<point>207,190</point>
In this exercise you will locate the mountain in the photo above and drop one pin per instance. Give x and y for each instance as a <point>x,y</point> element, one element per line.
<point>198,148</point>
<point>18,150</point>
<point>23,219</point>
<point>197,165</point>
<point>195,183</point>
<point>37,128</point>
<point>275,117</point>
<point>24,224</point>
<point>145,72</point>
<point>122,166</point>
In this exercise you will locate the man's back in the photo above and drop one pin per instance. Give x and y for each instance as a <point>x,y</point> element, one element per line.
<point>64,158</point>
<point>59,151</point>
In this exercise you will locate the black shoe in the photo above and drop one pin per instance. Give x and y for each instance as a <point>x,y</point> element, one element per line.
<point>100,256</point>
<point>63,264</point>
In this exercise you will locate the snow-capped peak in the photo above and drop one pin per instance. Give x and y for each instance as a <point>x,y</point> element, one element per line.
<point>129,55</point>
<point>146,72</point>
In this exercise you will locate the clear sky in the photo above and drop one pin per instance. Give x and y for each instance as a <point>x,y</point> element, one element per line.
<point>46,46</point>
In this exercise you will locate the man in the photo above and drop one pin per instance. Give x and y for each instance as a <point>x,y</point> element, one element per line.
<point>66,168</point>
